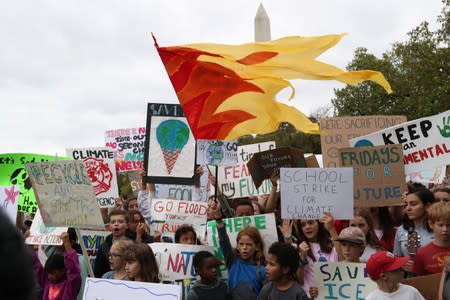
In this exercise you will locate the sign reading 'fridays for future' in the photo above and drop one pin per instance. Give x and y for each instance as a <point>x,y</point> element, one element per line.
<point>425,141</point>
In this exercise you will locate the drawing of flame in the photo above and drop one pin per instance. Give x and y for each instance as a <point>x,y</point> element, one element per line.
<point>172,136</point>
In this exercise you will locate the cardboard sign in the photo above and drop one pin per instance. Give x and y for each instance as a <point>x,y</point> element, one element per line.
<point>306,193</point>
<point>379,174</point>
<point>43,235</point>
<point>168,215</point>
<point>342,280</point>
<point>236,181</point>
<point>425,141</point>
<point>13,172</point>
<point>99,164</point>
<point>169,145</point>
<point>337,132</point>
<point>97,288</point>
<point>65,194</point>
<point>217,153</point>
<point>426,285</point>
<point>92,240</point>
<point>128,147</point>
<point>175,260</point>
<point>9,201</point>
<point>263,164</point>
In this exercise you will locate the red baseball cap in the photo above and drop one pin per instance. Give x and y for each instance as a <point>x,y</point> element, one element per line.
<point>384,261</point>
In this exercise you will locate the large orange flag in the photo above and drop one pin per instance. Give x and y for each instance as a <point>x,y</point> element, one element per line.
<point>229,90</point>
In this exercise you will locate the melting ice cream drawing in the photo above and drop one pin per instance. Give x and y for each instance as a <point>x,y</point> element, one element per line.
<point>172,136</point>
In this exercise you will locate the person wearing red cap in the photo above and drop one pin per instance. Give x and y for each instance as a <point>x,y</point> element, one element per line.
<point>386,270</point>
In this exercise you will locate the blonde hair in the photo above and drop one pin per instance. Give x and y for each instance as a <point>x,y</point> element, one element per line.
<point>123,245</point>
<point>439,211</point>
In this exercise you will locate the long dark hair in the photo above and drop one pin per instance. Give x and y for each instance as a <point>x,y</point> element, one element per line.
<point>427,198</point>
<point>143,254</point>
<point>323,238</point>
<point>371,237</point>
<point>384,220</point>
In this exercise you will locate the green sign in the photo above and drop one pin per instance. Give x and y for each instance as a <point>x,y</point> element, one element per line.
<point>13,172</point>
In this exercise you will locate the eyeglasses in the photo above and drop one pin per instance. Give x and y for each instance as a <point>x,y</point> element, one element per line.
<point>113,255</point>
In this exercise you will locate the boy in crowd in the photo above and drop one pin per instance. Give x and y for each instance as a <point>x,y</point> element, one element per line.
<point>243,207</point>
<point>282,264</point>
<point>431,258</point>
<point>386,270</point>
<point>118,220</point>
<point>208,287</point>
<point>352,242</point>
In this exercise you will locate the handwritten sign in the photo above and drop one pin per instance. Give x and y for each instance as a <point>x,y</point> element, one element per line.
<point>306,193</point>
<point>342,280</point>
<point>65,194</point>
<point>217,153</point>
<point>177,192</point>
<point>13,172</point>
<point>169,145</point>
<point>263,164</point>
<point>425,141</point>
<point>435,176</point>
<point>111,289</point>
<point>175,260</point>
<point>236,181</point>
<point>92,240</point>
<point>9,201</point>
<point>379,174</point>
<point>336,133</point>
<point>168,215</point>
<point>128,147</point>
<point>99,164</point>
<point>43,235</point>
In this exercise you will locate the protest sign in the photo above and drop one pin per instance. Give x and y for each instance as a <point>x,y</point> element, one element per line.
<point>236,181</point>
<point>263,164</point>
<point>379,174</point>
<point>168,215</point>
<point>44,235</point>
<point>128,147</point>
<point>425,141</point>
<point>311,161</point>
<point>336,133</point>
<point>12,172</point>
<point>65,194</point>
<point>175,260</point>
<point>426,285</point>
<point>97,288</point>
<point>342,280</point>
<point>217,153</point>
<point>435,176</point>
<point>99,164</point>
<point>177,192</point>
<point>306,193</point>
<point>169,145</point>
<point>9,200</point>
<point>92,240</point>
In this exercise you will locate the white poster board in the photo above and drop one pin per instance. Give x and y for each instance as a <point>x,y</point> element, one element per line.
<point>425,141</point>
<point>43,235</point>
<point>92,240</point>
<point>168,214</point>
<point>342,280</point>
<point>9,201</point>
<point>128,147</point>
<point>100,166</point>
<point>306,193</point>
<point>217,153</point>
<point>65,194</point>
<point>236,181</point>
<point>175,261</point>
<point>96,289</point>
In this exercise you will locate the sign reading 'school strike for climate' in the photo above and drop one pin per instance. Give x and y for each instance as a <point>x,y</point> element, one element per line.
<point>307,193</point>
<point>342,281</point>
<point>425,141</point>
<point>379,174</point>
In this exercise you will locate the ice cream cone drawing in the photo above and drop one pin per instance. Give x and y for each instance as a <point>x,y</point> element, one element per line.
<point>172,136</point>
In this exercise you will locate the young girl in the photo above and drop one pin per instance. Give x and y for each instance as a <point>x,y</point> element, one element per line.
<point>245,263</point>
<point>363,221</point>
<point>442,193</point>
<point>116,261</point>
<point>415,231</point>
<point>138,228</point>
<point>185,235</point>
<point>60,279</point>
<point>315,244</point>
<point>383,225</point>
<point>140,264</point>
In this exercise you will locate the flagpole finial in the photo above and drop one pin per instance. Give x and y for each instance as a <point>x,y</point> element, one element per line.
<point>154,40</point>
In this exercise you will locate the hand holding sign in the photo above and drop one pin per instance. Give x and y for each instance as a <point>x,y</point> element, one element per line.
<point>445,130</point>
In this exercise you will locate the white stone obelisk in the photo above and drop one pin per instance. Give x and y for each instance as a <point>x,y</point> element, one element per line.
<point>262,25</point>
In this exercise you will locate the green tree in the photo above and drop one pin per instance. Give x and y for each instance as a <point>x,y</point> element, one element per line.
<point>418,71</point>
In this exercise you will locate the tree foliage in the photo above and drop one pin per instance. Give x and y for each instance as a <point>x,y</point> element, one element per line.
<point>418,71</point>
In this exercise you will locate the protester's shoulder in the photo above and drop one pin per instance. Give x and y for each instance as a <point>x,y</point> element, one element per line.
<point>373,295</point>
<point>411,292</point>
<point>264,293</point>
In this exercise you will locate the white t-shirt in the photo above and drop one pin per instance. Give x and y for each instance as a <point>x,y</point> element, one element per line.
<point>403,292</point>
